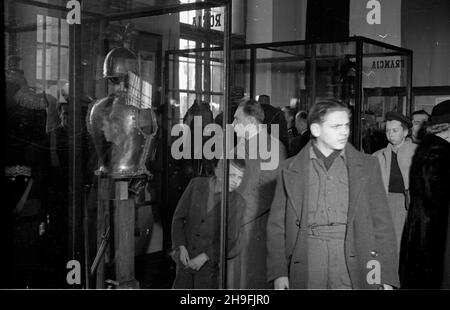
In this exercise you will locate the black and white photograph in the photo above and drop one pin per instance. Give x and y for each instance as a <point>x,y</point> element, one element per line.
<point>234,146</point>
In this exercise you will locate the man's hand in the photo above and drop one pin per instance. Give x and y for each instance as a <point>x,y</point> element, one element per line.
<point>184,255</point>
<point>198,262</point>
<point>281,283</point>
<point>387,287</point>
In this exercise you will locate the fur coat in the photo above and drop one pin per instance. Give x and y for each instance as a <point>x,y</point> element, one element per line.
<point>425,247</point>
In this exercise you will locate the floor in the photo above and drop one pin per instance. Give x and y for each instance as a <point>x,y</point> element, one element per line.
<point>155,271</point>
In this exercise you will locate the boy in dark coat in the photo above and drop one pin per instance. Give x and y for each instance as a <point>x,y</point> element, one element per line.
<point>329,225</point>
<point>196,228</point>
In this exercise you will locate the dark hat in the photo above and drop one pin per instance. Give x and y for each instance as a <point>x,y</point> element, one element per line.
<point>441,113</point>
<point>395,116</point>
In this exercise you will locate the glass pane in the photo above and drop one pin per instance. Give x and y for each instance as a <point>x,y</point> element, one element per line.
<point>40,28</point>
<point>54,63</point>
<point>241,69</point>
<point>187,17</point>
<point>64,33</point>
<point>191,76</point>
<point>48,62</point>
<point>186,44</point>
<point>217,77</point>
<point>64,64</point>
<point>384,89</point>
<point>335,49</point>
<point>186,101</point>
<point>39,63</point>
<point>216,104</point>
<point>278,74</point>
<point>52,29</point>
<point>184,73</point>
<point>428,102</point>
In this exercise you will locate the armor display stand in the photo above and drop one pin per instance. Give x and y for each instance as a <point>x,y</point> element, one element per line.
<point>121,221</point>
<point>103,224</point>
<point>124,218</point>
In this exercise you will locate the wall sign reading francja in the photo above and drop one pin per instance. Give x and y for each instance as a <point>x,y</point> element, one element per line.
<point>388,64</point>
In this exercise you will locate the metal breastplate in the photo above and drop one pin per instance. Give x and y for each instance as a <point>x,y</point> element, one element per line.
<point>124,136</point>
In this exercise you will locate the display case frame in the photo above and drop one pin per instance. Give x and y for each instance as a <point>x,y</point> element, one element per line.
<point>360,51</point>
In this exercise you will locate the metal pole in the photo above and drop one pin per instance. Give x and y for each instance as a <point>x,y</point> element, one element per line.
<point>75,129</point>
<point>358,95</point>
<point>226,117</point>
<point>311,52</point>
<point>409,88</point>
<point>252,72</point>
<point>86,238</point>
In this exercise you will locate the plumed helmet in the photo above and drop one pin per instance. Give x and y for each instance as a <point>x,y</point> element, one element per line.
<point>118,62</point>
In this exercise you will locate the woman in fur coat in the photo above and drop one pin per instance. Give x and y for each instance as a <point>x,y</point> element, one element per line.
<point>425,248</point>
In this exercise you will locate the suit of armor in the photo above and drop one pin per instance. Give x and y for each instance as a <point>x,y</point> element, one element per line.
<point>124,134</point>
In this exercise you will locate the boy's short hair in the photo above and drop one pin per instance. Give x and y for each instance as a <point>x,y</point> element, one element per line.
<point>320,109</point>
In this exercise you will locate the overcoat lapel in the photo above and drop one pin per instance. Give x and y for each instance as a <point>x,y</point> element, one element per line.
<point>296,182</point>
<point>203,195</point>
<point>356,177</point>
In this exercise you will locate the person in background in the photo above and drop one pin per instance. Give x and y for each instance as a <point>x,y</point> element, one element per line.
<point>425,247</point>
<point>329,217</point>
<point>289,115</point>
<point>196,228</point>
<point>301,123</point>
<point>418,118</point>
<point>237,96</point>
<point>26,178</point>
<point>273,115</point>
<point>249,270</point>
<point>395,161</point>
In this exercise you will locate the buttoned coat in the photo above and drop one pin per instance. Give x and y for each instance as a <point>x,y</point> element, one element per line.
<point>248,270</point>
<point>199,229</point>
<point>370,237</point>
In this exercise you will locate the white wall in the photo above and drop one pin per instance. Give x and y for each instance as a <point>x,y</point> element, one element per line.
<point>275,21</point>
<point>259,21</point>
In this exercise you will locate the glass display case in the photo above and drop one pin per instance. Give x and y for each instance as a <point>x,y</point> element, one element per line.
<point>96,94</point>
<point>85,125</point>
<point>371,76</point>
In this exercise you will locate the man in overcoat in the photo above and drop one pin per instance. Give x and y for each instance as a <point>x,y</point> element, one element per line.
<point>329,226</point>
<point>248,270</point>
